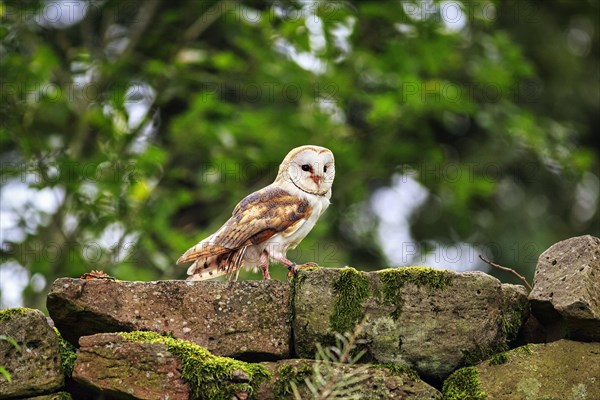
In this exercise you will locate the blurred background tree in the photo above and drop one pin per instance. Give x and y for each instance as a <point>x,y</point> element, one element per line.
<point>130,129</point>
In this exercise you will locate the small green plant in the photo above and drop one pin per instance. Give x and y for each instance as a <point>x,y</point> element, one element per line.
<point>68,354</point>
<point>463,384</point>
<point>3,370</point>
<point>500,358</point>
<point>330,380</point>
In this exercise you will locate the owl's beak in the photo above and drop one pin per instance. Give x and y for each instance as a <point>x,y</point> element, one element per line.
<point>316,179</point>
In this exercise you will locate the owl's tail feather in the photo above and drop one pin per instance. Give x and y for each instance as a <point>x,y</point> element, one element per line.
<point>202,250</point>
<point>213,266</point>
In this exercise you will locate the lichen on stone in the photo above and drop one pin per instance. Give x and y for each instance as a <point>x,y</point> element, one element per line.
<point>351,289</point>
<point>394,279</point>
<point>288,374</point>
<point>68,354</point>
<point>463,384</point>
<point>209,376</point>
<point>10,313</point>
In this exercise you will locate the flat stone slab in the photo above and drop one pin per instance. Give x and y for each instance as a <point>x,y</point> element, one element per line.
<point>566,291</point>
<point>429,320</point>
<point>36,368</point>
<point>565,370</point>
<point>146,365</point>
<point>246,319</point>
<point>376,382</point>
<point>114,367</point>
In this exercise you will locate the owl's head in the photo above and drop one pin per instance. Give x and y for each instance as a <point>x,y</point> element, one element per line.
<point>309,168</point>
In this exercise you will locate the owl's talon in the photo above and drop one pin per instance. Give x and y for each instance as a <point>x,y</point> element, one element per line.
<point>292,269</point>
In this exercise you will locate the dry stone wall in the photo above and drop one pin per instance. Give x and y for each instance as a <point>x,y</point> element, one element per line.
<point>423,334</point>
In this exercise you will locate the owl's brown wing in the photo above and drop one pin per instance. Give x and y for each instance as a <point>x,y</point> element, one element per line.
<point>255,219</point>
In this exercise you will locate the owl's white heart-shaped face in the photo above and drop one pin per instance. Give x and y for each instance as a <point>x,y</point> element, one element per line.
<point>311,169</point>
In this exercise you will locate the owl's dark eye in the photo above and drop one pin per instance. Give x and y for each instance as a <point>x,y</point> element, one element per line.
<point>325,168</point>
<point>306,167</point>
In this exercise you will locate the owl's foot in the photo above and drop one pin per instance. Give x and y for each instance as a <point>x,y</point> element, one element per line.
<point>292,270</point>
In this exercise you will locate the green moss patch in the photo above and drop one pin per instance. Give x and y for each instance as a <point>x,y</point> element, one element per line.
<point>8,314</point>
<point>399,370</point>
<point>527,349</point>
<point>503,357</point>
<point>479,353</point>
<point>288,374</point>
<point>351,290</point>
<point>500,358</point>
<point>463,384</point>
<point>394,279</point>
<point>209,376</point>
<point>510,324</point>
<point>68,354</point>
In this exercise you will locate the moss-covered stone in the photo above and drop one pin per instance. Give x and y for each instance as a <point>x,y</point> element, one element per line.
<point>499,358</point>
<point>68,354</point>
<point>463,384</point>
<point>209,376</point>
<point>512,321</point>
<point>504,357</point>
<point>427,319</point>
<point>287,374</point>
<point>398,370</point>
<point>559,370</point>
<point>351,289</point>
<point>481,353</point>
<point>10,313</point>
<point>394,279</point>
<point>374,382</point>
<point>34,366</point>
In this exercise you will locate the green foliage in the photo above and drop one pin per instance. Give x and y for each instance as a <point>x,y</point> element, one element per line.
<point>500,358</point>
<point>351,288</point>
<point>331,379</point>
<point>5,374</point>
<point>289,375</point>
<point>209,376</point>
<point>68,354</point>
<point>510,324</point>
<point>463,384</point>
<point>499,127</point>
<point>393,279</point>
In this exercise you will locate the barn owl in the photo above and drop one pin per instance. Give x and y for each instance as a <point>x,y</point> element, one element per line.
<point>269,222</point>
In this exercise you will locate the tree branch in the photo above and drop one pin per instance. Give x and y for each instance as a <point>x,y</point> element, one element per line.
<point>512,271</point>
<point>207,18</point>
